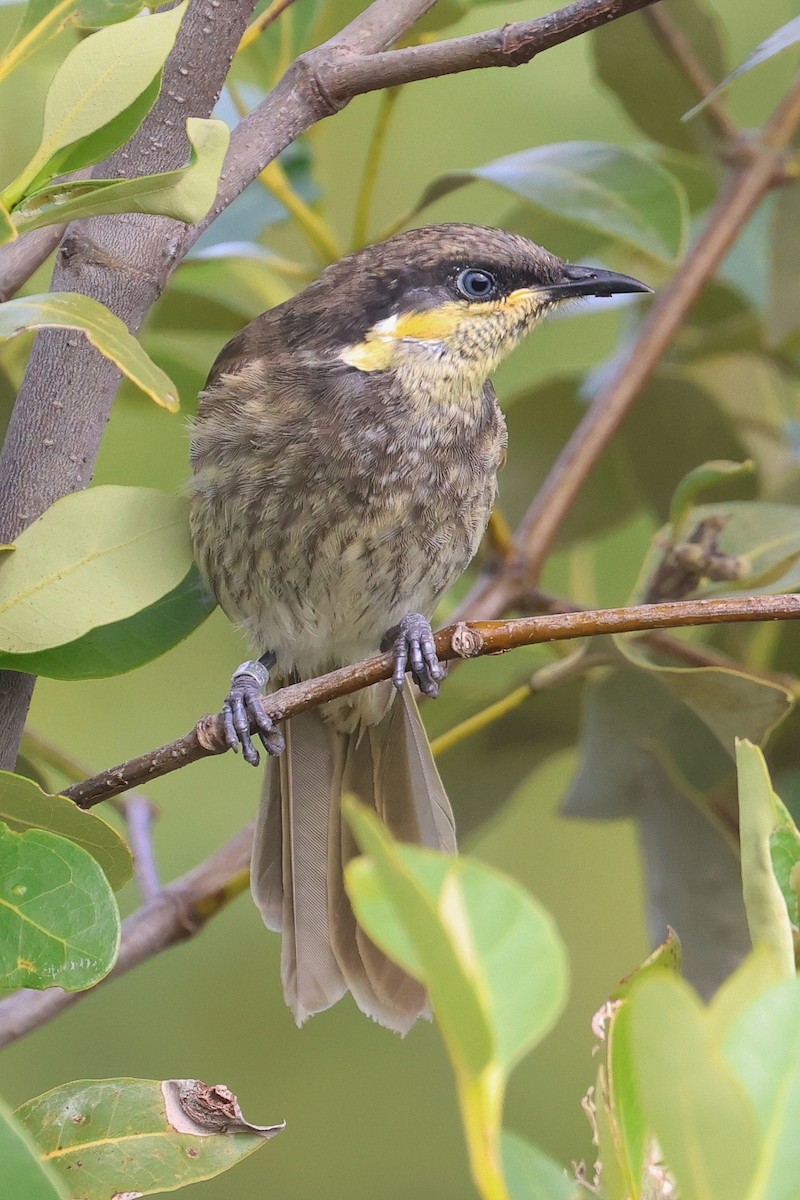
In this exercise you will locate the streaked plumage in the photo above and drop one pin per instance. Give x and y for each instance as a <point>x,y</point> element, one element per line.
<point>345,457</point>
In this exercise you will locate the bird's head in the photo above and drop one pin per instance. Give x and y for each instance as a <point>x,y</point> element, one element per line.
<point>445,300</point>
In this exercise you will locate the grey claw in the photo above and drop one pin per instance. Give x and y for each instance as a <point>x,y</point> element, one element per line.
<point>414,644</point>
<point>243,707</point>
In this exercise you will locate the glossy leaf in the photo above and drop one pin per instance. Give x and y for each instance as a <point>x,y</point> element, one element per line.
<point>782,39</point>
<point>94,557</point>
<point>24,806</point>
<point>694,1103</point>
<point>59,924</point>
<point>25,1176</point>
<point>68,310</point>
<point>94,13</point>
<point>644,75</point>
<point>615,192</point>
<point>186,194</point>
<point>765,904</point>
<point>114,1137</point>
<point>763,1048</point>
<point>123,645</point>
<point>100,78</point>
<point>759,971</point>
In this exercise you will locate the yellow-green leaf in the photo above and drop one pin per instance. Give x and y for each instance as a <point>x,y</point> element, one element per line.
<point>93,558</point>
<point>767,915</point>
<point>23,805</point>
<point>127,1137</point>
<point>97,80</point>
<point>68,310</point>
<point>185,194</point>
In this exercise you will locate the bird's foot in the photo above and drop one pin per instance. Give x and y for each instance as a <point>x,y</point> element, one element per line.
<point>411,643</point>
<point>244,707</point>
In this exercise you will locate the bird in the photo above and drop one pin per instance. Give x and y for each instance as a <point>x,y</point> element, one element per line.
<point>344,464</point>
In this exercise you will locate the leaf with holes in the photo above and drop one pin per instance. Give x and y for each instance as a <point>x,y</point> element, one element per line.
<point>108,1137</point>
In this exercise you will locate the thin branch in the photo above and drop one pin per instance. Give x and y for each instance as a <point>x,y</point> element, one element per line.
<point>179,911</point>
<point>139,814</point>
<point>745,189</point>
<point>455,642</point>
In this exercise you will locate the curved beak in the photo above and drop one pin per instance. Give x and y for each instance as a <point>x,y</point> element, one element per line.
<point>592,281</point>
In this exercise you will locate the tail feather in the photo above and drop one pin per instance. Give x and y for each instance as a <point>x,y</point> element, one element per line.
<point>302,846</point>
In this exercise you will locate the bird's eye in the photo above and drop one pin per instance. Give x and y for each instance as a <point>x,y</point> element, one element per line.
<point>476,285</point>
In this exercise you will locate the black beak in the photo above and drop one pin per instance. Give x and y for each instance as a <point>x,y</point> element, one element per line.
<point>592,281</point>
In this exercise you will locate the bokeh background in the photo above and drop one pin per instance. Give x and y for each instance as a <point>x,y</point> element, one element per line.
<point>367,1113</point>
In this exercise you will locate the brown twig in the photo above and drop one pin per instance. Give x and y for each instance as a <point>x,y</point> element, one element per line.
<point>456,641</point>
<point>743,192</point>
<point>179,911</point>
<point>675,41</point>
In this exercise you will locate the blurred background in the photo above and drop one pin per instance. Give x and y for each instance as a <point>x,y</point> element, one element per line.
<point>368,1113</point>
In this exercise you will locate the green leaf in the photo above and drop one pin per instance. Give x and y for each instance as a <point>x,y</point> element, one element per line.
<point>117,1137</point>
<point>694,1103</point>
<point>730,703</point>
<point>493,996</point>
<point>100,78</point>
<point>644,75</point>
<point>782,39</point>
<point>625,1112</point>
<point>759,971</point>
<point>767,914</point>
<point>24,806</point>
<point>59,924</point>
<point>123,645</point>
<point>186,194</point>
<point>700,479</point>
<point>667,956</point>
<point>96,146</point>
<point>94,557</point>
<point>763,1048</point>
<point>94,13</point>
<point>25,1176</point>
<point>68,310</point>
<point>41,22</point>
<point>616,192</point>
<point>532,1175</point>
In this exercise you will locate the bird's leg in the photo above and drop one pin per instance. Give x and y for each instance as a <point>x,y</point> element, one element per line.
<point>411,643</point>
<point>243,707</point>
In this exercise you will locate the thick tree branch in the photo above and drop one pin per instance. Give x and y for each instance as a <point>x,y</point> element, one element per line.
<point>744,190</point>
<point>179,911</point>
<point>456,642</point>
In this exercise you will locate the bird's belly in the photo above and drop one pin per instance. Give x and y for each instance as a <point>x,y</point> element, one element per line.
<point>322,588</point>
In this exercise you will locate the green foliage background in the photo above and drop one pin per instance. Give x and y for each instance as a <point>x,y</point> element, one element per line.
<point>367,1113</point>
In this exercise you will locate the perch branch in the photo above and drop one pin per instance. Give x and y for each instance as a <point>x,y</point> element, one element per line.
<point>455,642</point>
